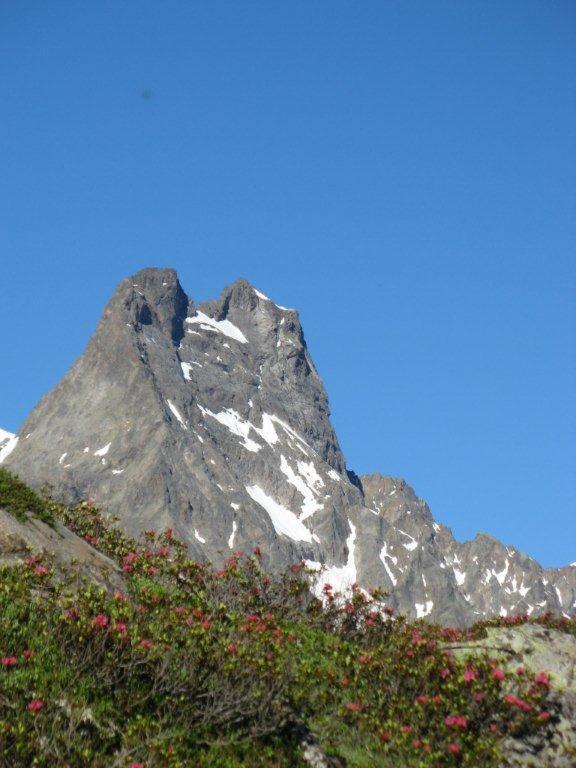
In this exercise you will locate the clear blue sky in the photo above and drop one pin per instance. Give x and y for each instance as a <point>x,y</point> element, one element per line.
<point>404,173</point>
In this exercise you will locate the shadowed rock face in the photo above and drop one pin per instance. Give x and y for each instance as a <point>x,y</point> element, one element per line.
<point>213,420</point>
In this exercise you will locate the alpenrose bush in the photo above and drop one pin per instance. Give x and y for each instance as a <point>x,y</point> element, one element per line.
<point>196,665</point>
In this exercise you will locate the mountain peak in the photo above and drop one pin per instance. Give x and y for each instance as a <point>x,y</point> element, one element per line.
<point>212,420</point>
<point>151,297</point>
<point>241,294</point>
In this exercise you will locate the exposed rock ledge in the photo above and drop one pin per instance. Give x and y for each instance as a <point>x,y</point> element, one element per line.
<point>69,552</point>
<point>539,649</point>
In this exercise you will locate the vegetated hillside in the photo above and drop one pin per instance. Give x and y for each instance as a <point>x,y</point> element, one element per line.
<point>190,665</point>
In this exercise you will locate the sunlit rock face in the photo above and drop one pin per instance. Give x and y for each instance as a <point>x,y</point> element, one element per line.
<point>211,419</point>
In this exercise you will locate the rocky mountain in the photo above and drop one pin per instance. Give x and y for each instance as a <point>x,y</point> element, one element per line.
<point>211,419</point>
<point>423,559</point>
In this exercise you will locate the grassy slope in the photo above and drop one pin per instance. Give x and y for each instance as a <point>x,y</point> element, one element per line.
<point>193,665</point>
<point>20,500</point>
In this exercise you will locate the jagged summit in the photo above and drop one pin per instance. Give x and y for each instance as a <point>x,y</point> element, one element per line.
<point>152,297</point>
<point>211,419</point>
<point>241,293</point>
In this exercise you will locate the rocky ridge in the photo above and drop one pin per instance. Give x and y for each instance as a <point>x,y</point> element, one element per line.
<point>212,419</point>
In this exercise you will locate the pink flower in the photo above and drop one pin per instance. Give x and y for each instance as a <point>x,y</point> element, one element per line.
<point>456,721</point>
<point>35,705</point>
<point>355,706</point>
<point>120,627</point>
<point>40,570</point>
<point>444,673</point>
<point>478,697</point>
<point>163,552</point>
<point>100,621</point>
<point>515,701</point>
<point>469,675</point>
<point>542,678</point>
<point>453,748</point>
<point>232,649</point>
<point>544,717</point>
<point>136,765</point>
<point>146,644</point>
<point>498,674</point>
<point>9,661</point>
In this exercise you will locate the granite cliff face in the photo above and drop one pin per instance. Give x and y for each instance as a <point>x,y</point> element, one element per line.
<point>213,420</point>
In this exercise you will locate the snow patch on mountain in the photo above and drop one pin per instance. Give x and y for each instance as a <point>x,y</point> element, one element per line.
<point>177,413</point>
<point>236,425</point>
<point>8,442</point>
<point>339,577</point>
<point>284,521</point>
<point>220,326</point>
<point>308,491</point>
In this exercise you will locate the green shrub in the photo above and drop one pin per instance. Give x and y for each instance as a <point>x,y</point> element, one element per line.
<point>220,667</point>
<point>20,500</point>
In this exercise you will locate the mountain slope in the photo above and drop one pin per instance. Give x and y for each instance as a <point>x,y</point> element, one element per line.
<point>213,420</point>
<point>29,531</point>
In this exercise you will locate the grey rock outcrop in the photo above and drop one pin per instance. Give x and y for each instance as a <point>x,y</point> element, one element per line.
<point>213,420</point>
<point>539,649</point>
<point>68,553</point>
